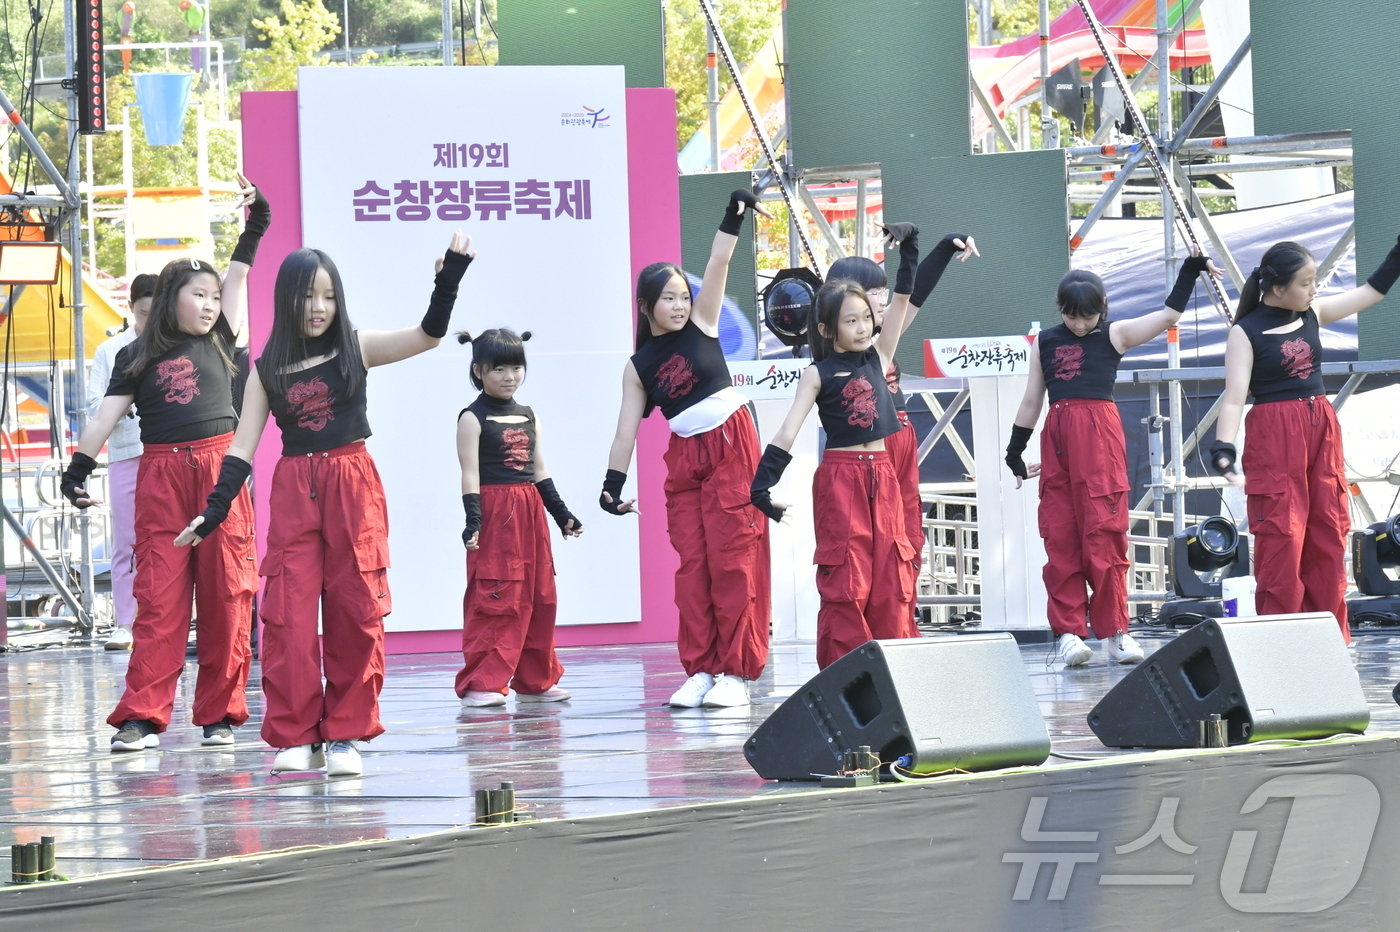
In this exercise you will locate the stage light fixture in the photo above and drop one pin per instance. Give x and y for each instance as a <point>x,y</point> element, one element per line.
<point>1197,560</point>
<point>92,83</point>
<point>787,305</point>
<point>29,262</point>
<point>1373,551</point>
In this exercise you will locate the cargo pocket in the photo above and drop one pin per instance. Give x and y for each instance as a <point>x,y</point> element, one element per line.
<point>834,582</point>
<point>908,569</point>
<point>372,560</point>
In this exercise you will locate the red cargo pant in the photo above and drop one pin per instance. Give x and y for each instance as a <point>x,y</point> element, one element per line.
<point>903,447</point>
<point>723,588</point>
<point>863,557</point>
<point>1083,517</point>
<point>327,550</point>
<point>510,604</point>
<point>1296,490</point>
<point>220,574</point>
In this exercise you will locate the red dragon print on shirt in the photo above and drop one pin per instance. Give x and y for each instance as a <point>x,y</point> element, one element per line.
<point>311,402</point>
<point>179,379</point>
<point>1069,362</point>
<point>676,377</point>
<point>1297,358</point>
<point>515,445</point>
<point>858,401</point>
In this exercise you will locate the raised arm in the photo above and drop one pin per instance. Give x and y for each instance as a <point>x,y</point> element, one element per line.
<point>705,310</point>
<point>1239,367</point>
<point>1363,296</point>
<point>629,418</point>
<point>901,314</point>
<point>1126,334</point>
<point>382,347</point>
<point>234,293</point>
<point>777,456</point>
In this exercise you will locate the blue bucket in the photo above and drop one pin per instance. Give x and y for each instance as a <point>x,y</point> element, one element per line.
<point>163,99</point>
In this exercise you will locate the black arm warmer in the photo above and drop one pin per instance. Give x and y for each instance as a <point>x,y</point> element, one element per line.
<point>439,314</point>
<point>1020,436</point>
<point>233,472</point>
<point>770,470</point>
<point>932,268</point>
<point>612,485</point>
<point>733,221</point>
<point>76,476</point>
<point>1384,276</point>
<point>554,504</point>
<point>471,504</point>
<point>907,235</point>
<point>259,218</point>
<point>1191,267</point>
<point>1222,457</point>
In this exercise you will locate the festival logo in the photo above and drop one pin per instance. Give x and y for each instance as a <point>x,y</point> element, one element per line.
<point>1297,358</point>
<point>310,401</point>
<point>676,377</point>
<point>179,379</point>
<point>1069,362</point>
<point>515,446</point>
<point>858,401</point>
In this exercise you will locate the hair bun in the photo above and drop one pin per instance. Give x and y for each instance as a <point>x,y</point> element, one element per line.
<point>525,336</point>
<point>463,336</point>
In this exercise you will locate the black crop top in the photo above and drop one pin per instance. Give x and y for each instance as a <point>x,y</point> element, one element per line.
<point>681,369</point>
<point>506,452</point>
<point>1078,367</point>
<point>185,394</point>
<point>1286,365</point>
<point>854,401</point>
<point>318,411</point>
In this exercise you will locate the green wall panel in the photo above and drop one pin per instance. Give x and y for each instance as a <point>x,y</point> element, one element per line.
<point>1329,66</point>
<point>1014,204</point>
<point>877,80</point>
<point>585,32</point>
<point>703,199</point>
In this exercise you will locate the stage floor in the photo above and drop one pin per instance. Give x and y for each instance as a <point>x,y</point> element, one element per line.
<point>615,747</point>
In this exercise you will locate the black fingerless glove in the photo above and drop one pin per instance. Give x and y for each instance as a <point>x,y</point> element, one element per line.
<point>75,477</point>
<point>612,486</point>
<point>907,236</point>
<point>233,472</point>
<point>554,504</point>
<point>471,504</point>
<point>439,314</point>
<point>733,221</point>
<point>1020,436</point>
<point>1222,457</point>
<point>770,470</point>
<point>932,268</point>
<point>1191,268</point>
<point>259,218</point>
<point>1382,278</point>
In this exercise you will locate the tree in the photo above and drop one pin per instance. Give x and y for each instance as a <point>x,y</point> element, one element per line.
<point>293,40</point>
<point>747,25</point>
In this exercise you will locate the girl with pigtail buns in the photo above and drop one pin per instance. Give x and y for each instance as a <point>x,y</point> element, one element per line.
<point>1294,477</point>
<point>509,608</point>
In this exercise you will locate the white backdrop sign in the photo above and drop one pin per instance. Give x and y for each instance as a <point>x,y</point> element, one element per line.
<point>531,162</point>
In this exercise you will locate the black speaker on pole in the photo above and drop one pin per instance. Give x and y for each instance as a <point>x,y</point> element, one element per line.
<point>962,702</point>
<point>1270,676</point>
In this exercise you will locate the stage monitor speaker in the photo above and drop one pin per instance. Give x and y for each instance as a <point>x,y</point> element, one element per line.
<point>962,702</point>
<point>1270,676</point>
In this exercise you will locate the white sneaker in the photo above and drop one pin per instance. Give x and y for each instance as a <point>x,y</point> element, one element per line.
<point>691,695</point>
<point>120,639</point>
<point>1123,649</point>
<point>298,759</point>
<point>552,694</point>
<point>728,691</point>
<point>1072,650</point>
<point>480,699</point>
<point>343,760</point>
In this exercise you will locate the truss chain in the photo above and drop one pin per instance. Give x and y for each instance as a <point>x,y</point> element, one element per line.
<point>1153,156</point>
<point>768,153</point>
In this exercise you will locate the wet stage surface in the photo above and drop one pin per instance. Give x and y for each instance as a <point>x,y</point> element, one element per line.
<point>615,747</point>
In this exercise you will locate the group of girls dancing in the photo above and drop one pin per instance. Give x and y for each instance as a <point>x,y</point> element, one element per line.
<point>327,552</point>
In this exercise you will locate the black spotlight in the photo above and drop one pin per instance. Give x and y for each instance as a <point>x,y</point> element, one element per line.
<point>1197,560</point>
<point>1373,551</point>
<point>787,305</point>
